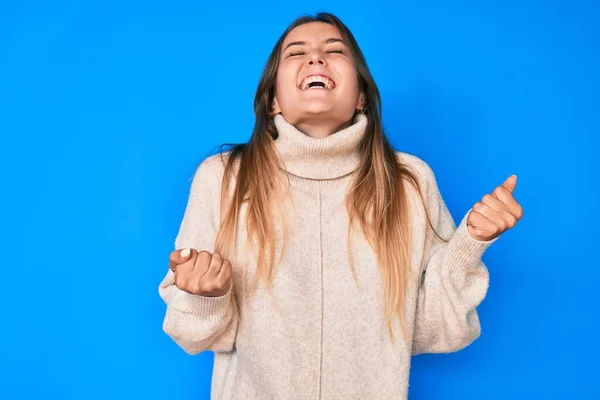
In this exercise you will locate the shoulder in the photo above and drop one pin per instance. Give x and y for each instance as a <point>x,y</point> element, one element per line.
<point>210,172</point>
<point>418,165</point>
<point>215,165</point>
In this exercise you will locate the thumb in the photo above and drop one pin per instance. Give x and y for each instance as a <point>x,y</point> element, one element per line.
<point>178,257</point>
<point>510,183</point>
<point>184,254</point>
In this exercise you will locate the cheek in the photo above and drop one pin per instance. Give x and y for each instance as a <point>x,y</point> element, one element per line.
<point>285,87</point>
<point>348,73</point>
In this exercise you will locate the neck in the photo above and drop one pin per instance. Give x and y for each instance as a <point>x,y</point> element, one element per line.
<point>320,129</point>
<point>332,156</point>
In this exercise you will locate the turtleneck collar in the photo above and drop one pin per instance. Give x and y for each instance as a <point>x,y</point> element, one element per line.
<point>327,158</point>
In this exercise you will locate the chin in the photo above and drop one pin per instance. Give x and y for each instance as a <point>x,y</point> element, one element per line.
<point>319,112</point>
<point>319,108</point>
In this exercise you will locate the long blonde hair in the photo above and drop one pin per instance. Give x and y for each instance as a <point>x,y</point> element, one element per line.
<point>376,201</point>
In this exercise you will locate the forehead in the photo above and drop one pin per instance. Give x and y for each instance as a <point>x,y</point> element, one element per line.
<point>312,31</point>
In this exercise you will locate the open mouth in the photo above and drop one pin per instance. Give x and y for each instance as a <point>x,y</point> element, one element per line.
<point>317,82</point>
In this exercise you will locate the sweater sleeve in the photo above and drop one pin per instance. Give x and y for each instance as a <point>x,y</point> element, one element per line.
<point>197,323</point>
<point>454,280</point>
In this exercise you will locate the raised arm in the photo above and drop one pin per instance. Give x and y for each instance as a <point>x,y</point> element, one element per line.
<point>198,322</point>
<point>454,280</point>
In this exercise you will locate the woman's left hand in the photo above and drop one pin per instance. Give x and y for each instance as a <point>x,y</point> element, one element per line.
<point>496,213</point>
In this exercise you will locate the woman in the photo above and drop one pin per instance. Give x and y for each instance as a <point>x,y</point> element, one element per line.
<point>314,260</point>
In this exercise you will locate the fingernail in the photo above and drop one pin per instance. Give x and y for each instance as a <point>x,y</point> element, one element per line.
<point>184,253</point>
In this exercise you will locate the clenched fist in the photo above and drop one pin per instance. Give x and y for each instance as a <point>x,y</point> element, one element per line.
<point>201,273</point>
<point>496,212</point>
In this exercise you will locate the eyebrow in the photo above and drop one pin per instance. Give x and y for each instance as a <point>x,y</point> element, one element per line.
<point>327,41</point>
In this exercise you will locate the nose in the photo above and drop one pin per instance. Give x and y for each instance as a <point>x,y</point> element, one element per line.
<point>316,58</point>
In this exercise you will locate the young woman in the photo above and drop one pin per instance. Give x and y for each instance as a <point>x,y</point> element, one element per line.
<point>314,260</point>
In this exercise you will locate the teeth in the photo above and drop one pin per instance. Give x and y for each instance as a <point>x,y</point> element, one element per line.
<point>316,78</point>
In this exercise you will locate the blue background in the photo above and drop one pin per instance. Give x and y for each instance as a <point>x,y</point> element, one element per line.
<point>107,107</point>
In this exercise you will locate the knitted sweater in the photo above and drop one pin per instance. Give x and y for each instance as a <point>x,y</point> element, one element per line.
<point>317,333</point>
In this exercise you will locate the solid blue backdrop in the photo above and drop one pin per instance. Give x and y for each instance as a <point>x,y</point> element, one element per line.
<point>107,107</point>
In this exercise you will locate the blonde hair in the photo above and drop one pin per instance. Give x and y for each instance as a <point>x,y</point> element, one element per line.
<point>377,199</point>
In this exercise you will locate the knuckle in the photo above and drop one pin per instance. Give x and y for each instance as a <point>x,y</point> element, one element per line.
<point>209,286</point>
<point>184,285</point>
<point>498,190</point>
<point>520,212</point>
<point>192,287</point>
<point>178,279</point>
<point>204,254</point>
<point>203,259</point>
<point>178,283</point>
<point>221,283</point>
<point>502,225</point>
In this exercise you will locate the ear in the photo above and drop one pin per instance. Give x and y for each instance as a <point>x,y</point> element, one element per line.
<point>361,101</point>
<point>275,109</point>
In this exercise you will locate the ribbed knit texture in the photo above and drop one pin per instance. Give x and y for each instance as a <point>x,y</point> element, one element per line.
<point>327,158</point>
<point>317,334</point>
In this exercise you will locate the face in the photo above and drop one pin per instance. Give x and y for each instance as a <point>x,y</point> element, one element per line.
<point>316,78</point>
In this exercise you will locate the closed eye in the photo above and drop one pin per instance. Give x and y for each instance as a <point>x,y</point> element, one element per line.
<point>299,53</point>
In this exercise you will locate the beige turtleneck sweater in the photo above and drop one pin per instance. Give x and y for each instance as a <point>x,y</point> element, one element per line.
<point>317,334</point>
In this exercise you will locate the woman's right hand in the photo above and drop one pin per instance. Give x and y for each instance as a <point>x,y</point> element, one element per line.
<point>201,273</point>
